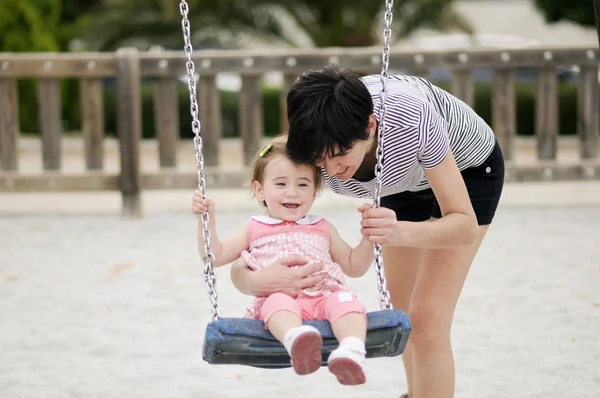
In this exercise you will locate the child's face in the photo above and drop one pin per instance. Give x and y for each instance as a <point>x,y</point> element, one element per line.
<point>288,189</point>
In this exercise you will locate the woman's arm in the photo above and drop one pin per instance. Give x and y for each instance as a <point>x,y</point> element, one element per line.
<point>276,277</point>
<point>457,227</point>
<point>354,262</point>
<point>458,224</point>
<point>241,276</point>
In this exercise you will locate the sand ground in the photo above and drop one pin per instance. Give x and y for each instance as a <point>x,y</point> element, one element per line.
<point>94,305</point>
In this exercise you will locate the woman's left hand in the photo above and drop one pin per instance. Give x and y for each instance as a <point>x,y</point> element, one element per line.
<point>379,225</point>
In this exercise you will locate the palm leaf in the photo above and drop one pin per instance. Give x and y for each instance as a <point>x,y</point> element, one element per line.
<point>332,23</point>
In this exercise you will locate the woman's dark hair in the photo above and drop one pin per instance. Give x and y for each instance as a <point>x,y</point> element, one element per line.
<point>328,111</point>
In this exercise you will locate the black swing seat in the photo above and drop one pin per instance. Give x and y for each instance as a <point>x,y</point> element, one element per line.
<point>239,341</point>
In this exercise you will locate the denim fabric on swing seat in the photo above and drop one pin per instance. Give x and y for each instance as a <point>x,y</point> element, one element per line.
<point>239,341</point>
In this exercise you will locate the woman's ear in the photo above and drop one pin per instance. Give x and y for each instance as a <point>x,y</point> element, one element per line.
<point>372,124</point>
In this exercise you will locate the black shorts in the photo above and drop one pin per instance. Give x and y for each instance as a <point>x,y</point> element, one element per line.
<point>484,184</point>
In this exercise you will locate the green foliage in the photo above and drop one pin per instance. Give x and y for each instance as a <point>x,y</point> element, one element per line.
<point>333,23</point>
<point>74,20</point>
<point>29,25</point>
<point>142,23</point>
<point>51,25</point>
<point>580,12</point>
<point>42,26</point>
<point>357,23</point>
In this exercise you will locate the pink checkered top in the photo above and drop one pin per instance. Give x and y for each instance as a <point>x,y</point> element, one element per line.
<point>271,239</point>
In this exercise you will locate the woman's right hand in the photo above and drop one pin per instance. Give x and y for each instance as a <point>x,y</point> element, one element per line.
<point>280,276</point>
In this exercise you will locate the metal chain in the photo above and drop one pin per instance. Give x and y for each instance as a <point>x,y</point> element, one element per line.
<point>209,273</point>
<point>384,299</point>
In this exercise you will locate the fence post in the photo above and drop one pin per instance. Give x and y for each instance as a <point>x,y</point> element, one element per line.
<point>50,122</point>
<point>251,119</point>
<point>9,125</point>
<point>129,129</point>
<point>210,114</point>
<point>597,17</point>
<point>504,110</point>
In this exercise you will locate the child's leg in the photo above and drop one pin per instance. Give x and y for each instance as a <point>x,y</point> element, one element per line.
<point>348,320</point>
<point>283,318</point>
<point>352,324</point>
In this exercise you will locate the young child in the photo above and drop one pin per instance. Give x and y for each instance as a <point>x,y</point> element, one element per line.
<point>287,191</point>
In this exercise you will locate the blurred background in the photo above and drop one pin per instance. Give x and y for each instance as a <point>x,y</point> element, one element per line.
<point>75,27</point>
<point>528,67</point>
<point>101,286</point>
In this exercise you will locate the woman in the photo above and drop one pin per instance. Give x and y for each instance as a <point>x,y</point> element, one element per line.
<point>443,173</point>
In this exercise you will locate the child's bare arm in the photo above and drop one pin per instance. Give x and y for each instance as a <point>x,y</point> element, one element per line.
<point>230,248</point>
<point>355,262</point>
<point>224,251</point>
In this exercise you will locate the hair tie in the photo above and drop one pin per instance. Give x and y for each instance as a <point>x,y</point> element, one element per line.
<point>265,150</point>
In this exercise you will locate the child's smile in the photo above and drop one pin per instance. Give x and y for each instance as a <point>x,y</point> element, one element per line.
<point>288,189</point>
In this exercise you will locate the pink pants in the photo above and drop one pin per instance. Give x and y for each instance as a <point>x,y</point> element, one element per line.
<point>328,308</point>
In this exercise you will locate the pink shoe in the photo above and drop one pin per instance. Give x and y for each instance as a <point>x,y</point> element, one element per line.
<point>305,351</point>
<point>346,364</point>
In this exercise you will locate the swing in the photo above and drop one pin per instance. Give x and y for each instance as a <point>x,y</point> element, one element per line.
<point>239,341</point>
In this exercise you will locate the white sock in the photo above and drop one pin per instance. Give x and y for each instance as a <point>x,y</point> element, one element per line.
<point>293,334</point>
<point>352,348</point>
<point>353,343</point>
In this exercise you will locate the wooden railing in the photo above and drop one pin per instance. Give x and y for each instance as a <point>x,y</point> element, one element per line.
<point>128,68</point>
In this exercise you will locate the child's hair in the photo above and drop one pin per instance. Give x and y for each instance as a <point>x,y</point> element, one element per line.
<point>275,147</point>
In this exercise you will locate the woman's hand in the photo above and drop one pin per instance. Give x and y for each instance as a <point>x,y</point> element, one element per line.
<point>280,276</point>
<point>379,225</point>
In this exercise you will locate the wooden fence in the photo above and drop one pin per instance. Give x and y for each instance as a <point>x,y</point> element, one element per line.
<point>128,67</point>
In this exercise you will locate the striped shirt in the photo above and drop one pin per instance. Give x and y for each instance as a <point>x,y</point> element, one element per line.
<point>422,122</point>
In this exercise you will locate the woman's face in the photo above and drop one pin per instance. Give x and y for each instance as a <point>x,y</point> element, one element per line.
<point>344,165</point>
